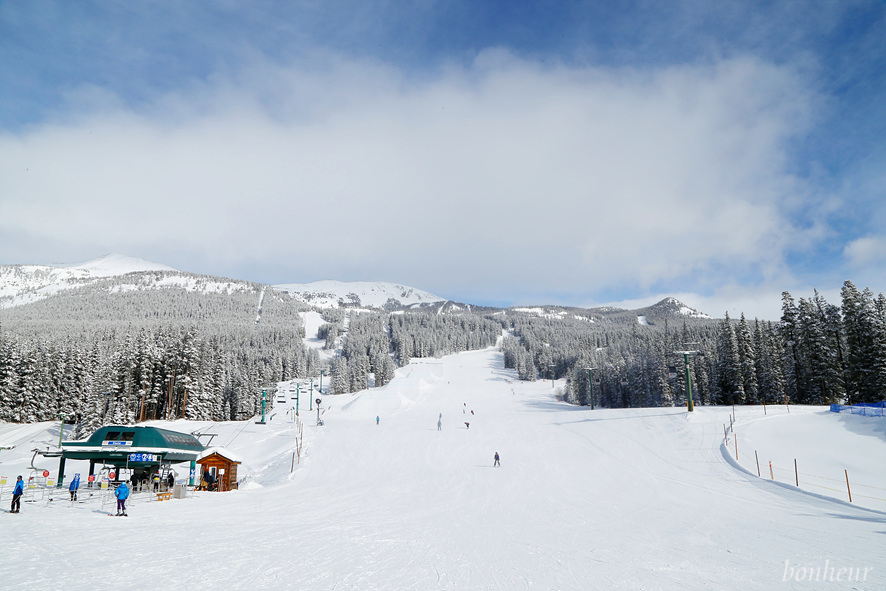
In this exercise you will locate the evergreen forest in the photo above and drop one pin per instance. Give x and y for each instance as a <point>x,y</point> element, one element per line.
<point>97,355</point>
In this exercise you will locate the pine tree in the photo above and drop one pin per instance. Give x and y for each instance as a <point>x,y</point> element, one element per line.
<point>731,377</point>
<point>748,361</point>
<point>340,381</point>
<point>789,332</point>
<point>861,333</point>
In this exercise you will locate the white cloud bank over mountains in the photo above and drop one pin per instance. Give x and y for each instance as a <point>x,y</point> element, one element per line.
<point>509,181</point>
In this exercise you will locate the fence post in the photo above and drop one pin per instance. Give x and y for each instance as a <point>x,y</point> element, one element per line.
<point>771,473</point>
<point>725,435</point>
<point>796,474</point>
<point>849,490</point>
<point>735,437</point>
<point>758,462</point>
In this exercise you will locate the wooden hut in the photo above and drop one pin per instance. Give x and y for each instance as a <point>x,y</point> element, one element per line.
<point>222,466</point>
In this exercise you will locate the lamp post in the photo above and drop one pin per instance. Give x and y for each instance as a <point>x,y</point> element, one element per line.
<point>321,381</point>
<point>686,355</point>
<point>318,412</point>
<point>297,392</point>
<point>311,397</point>
<point>552,366</point>
<point>591,383</point>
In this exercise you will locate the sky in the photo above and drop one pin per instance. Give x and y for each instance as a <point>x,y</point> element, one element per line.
<point>500,153</point>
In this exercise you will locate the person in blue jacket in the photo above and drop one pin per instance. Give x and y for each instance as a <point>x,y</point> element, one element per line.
<point>17,493</point>
<point>122,493</point>
<point>75,484</point>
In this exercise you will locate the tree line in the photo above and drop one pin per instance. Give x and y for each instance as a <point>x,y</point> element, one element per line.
<point>98,355</point>
<point>817,353</point>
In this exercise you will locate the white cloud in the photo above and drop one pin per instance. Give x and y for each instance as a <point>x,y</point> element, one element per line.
<point>865,251</point>
<point>483,181</point>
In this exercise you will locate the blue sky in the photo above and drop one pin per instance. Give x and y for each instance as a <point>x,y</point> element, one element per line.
<point>576,153</point>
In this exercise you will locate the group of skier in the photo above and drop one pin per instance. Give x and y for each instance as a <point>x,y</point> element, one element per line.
<point>496,458</point>
<point>122,493</point>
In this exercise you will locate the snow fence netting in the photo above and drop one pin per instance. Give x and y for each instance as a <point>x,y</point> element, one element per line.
<point>877,409</point>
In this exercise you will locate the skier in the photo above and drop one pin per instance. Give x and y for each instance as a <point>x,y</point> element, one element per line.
<point>467,425</point>
<point>17,493</point>
<point>496,464</point>
<point>122,493</point>
<point>377,419</point>
<point>439,425</point>
<point>75,484</point>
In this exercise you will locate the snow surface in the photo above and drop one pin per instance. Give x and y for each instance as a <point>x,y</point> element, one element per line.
<point>334,294</point>
<point>312,322</point>
<point>603,499</point>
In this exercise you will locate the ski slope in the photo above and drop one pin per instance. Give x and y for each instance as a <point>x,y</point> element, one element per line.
<point>603,499</point>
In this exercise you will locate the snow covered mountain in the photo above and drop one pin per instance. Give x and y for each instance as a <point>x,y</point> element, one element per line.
<point>24,284</point>
<point>337,294</point>
<point>668,308</point>
<point>673,306</point>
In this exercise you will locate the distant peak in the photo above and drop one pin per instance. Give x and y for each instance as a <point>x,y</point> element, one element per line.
<point>111,265</point>
<point>373,294</point>
<point>675,306</point>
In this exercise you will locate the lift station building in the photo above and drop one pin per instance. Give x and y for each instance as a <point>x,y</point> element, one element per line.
<point>140,449</point>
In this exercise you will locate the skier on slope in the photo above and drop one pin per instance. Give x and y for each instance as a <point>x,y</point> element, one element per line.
<point>496,464</point>
<point>75,484</point>
<point>17,493</point>
<point>377,419</point>
<point>122,493</point>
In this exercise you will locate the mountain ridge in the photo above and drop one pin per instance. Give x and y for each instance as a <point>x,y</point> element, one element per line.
<point>25,284</point>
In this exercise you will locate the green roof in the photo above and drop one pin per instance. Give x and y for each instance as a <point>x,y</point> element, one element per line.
<point>125,445</point>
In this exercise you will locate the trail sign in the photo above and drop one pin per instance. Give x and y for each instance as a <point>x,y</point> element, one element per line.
<point>45,473</point>
<point>112,475</point>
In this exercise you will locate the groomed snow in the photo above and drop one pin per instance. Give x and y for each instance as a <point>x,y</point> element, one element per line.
<point>603,499</point>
